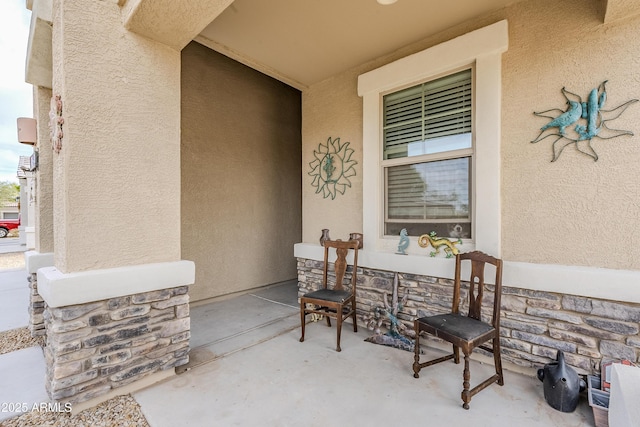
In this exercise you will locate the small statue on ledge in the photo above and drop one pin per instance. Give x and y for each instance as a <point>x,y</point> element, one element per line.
<point>404,242</point>
<point>438,242</point>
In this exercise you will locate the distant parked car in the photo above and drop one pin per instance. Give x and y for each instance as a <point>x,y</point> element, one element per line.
<point>7,225</point>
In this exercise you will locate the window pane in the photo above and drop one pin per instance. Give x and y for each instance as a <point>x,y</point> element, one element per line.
<point>457,230</point>
<point>428,118</point>
<point>429,193</point>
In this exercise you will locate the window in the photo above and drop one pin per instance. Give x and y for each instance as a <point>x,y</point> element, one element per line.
<point>427,157</point>
<point>384,161</point>
<point>10,215</point>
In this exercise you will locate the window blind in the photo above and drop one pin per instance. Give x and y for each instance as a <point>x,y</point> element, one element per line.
<point>423,119</point>
<point>429,191</point>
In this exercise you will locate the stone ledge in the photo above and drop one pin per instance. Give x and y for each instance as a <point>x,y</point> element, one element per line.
<point>63,289</point>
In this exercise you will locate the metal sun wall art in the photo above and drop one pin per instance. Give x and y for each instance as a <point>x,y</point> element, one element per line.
<point>581,122</point>
<point>332,167</point>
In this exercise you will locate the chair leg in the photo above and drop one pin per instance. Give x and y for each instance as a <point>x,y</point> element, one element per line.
<point>466,395</point>
<point>416,355</point>
<point>302,320</point>
<point>456,354</point>
<point>353,315</point>
<point>339,330</point>
<point>497,360</point>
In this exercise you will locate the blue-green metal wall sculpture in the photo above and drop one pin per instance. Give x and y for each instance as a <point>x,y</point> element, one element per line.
<point>585,120</point>
<point>332,167</point>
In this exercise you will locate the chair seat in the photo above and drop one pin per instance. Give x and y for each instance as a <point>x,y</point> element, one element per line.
<point>457,325</point>
<point>328,295</point>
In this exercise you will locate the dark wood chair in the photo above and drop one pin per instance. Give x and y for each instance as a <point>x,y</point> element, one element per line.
<point>337,301</point>
<point>467,332</point>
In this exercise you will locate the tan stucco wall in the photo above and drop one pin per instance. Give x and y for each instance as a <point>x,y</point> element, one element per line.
<point>574,211</point>
<point>241,195</point>
<point>571,212</point>
<point>173,23</point>
<point>331,111</point>
<point>117,178</point>
<point>44,173</point>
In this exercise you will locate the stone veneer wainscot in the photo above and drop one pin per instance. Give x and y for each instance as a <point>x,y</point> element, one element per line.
<point>33,261</point>
<point>96,347</point>
<point>36,307</point>
<point>534,324</point>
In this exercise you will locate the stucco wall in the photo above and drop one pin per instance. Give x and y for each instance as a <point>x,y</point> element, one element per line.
<point>571,212</point>
<point>241,195</point>
<point>574,211</point>
<point>117,177</point>
<point>44,184</point>
<point>331,111</point>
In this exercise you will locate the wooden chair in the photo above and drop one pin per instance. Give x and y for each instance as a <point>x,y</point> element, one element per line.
<point>470,331</point>
<point>334,302</point>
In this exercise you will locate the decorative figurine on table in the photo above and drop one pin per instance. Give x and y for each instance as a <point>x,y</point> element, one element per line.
<point>394,337</point>
<point>404,242</point>
<point>439,242</point>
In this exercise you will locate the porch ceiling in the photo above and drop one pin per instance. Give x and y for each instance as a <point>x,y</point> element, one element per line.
<point>302,42</point>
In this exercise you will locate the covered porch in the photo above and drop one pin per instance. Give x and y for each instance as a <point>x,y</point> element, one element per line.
<point>248,368</point>
<point>226,119</point>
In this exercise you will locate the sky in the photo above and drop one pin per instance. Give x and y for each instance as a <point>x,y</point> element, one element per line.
<point>15,94</point>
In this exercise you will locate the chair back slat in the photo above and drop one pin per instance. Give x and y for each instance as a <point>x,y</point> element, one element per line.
<point>340,264</point>
<point>476,289</point>
<point>340,267</point>
<point>477,284</point>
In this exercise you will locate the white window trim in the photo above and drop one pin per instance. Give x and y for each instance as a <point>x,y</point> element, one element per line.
<point>484,48</point>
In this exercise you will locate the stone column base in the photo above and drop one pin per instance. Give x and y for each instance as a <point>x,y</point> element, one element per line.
<point>36,307</point>
<point>95,346</point>
<point>33,261</point>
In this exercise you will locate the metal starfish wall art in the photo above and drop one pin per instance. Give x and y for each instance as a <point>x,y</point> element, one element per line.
<point>581,122</point>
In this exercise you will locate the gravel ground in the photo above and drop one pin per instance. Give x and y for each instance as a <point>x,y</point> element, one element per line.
<point>12,260</point>
<point>121,411</point>
<point>18,339</point>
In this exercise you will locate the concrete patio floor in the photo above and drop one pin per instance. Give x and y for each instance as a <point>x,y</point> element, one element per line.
<point>248,368</point>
